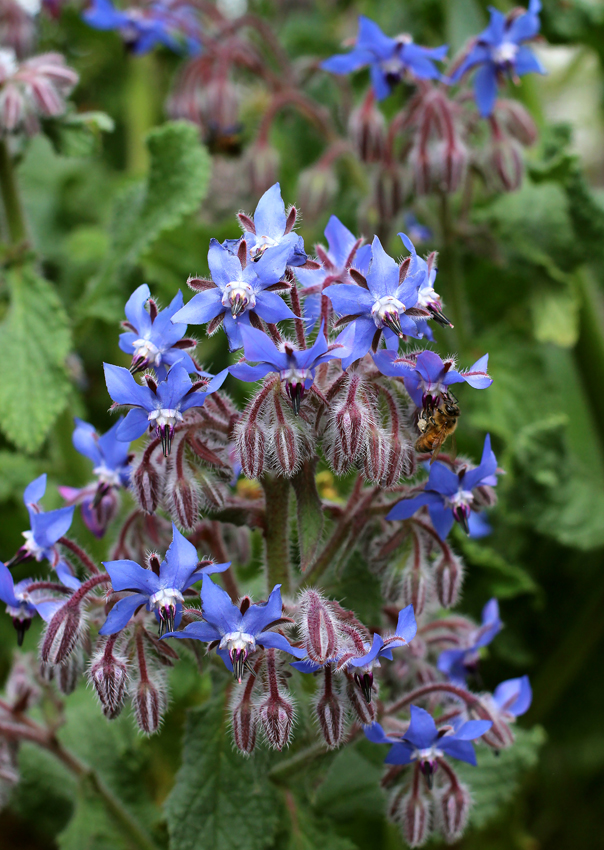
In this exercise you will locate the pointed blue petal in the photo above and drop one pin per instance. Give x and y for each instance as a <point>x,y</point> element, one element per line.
<point>121,613</point>
<point>128,575</point>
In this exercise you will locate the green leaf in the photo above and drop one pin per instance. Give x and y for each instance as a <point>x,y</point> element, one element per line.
<point>16,471</point>
<point>556,317</point>
<point>352,785</point>
<point>220,799</point>
<point>34,342</point>
<point>505,580</point>
<point>309,511</point>
<point>78,134</point>
<point>496,779</point>
<point>175,186</point>
<point>44,796</point>
<point>310,832</point>
<point>90,828</point>
<point>464,18</point>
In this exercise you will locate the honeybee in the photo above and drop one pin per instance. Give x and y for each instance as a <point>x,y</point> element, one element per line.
<point>436,424</point>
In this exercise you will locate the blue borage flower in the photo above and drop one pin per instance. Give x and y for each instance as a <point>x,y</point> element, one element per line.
<point>238,290</point>
<point>449,495</point>
<point>295,368</point>
<point>498,52</point>
<point>389,59</point>
<point>27,598</point>
<point>152,338</point>
<point>378,648</point>
<point>427,298</point>
<point>344,251</point>
<point>457,664</point>
<point>161,592</point>
<point>426,376</point>
<point>416,231</point>
<point>513,697</point>
<point>157,404</point>
<point>269,228</point>
<point>383,302</point>
<point>175,26</point>
<point>425,744</point>
<point>110,457</point>
<point>237,632</point>
<point>46,529</point>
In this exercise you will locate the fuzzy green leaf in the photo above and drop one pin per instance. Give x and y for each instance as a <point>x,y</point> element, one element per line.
<point>220,799</point>
<point>16,471</point>
<point>310,513</point>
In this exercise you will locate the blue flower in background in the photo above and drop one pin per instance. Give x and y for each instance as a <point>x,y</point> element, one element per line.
<point>238,631</point>
<point>426,376</point>
<point>424,743</point>
<point>513,697</point>
<point>23,600</point>
<point>417,232</point>
<point>448,495</point>
<point>46,528</point>
<point>381,307</point>
<point>271,228</point>
<point>498,52</point>
<point>457,664</point>
<point>170,24</point>
<point>160,405</point>
<point>239,291</point>
<point>295,368</point>
<point>162,593</point>
<point>389,59</point>
<point>153,339</point>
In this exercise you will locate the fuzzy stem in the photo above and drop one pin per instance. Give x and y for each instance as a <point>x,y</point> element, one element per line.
<point>11,200</point>
<point>79,553</point>
<point>140,111</point>
<point>276,530</point>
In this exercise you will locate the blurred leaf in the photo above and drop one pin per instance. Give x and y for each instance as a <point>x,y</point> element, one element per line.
<point>310,832</point>
<point>16,471</point>
<point>220,799</point>
<point>556,317</point>
<point>44,796</point>
<point>496,778</point>
<point>352,785</point>
<point>34,342</point>
<point>78,134</point>
<point>176,184</point>
<point>505,580</point>
<point>91,828</point>
<point>464,18</point>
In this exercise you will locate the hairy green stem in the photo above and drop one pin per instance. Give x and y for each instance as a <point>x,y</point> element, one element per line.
<point>140,110</point>
<point>276,531</point>
<point>11,200</point>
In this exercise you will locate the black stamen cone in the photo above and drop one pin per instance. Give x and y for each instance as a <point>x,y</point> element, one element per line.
<point>166,620</point>
<point>462,519</point>
<point>296,394</point>
<point>21,626</point>
<point>365,683</point>
<point>101,491</point>
<point>137,364</point>
<point>238,305</point>
<point>392,321</point>
<point>238,659</point>
<point>165,435</point>
<point>19,557</point>
<point>440,317</point>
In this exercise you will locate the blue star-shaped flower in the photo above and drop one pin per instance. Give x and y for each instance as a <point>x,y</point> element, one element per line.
<point>449,495</point>
<point>45,528</point>
<point>457,664</point>
<point>238,631</point>
<point>153,339</point>
<point>389,59</point>
<point>240,290</point>
<point>271,228</point>
<point>379,308</point>
<point>295,368</point>
<point>426,376</point>
<point>24,600</point>
<point>161,405</point>
<point>500,53</point>
<point>163,593</point>
<point>424,743</point>
<point>427,298</point>
<point>162,23</point>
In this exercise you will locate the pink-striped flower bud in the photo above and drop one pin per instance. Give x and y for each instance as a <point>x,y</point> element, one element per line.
<point>285,448</point>
<point>211,490</point>
<point>505,164</point>
<point>363,710</point>
<point>67,674</point>
<point>330,710</point>
<point>499,736</point>
<point>263,167</point>
<point>448,579</point>
<point>517,121</point>
<point>108,673</point>
<point>146,480</point>
<point>350,420</point>
<point>317,187</point>
<point>452,806</point>
<point>149,700</point>
<point>389,193</point>
<point>376,455</point>
<point>367,129</point>
<point>413,812</point>
<point>399,461</point>
<point>182,497</point>
<point>277,711</point>
<point>251,446</point>
<point>415,588</point>
<point>319,627</point>
<point>244,716</point>
<point>62,633</point>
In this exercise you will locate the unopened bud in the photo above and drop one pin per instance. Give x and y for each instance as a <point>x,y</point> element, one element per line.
<point>452,806</point>
<point>277,712</point>
<point>415,587</point>
<point>367,129</point>
<point>68,673</point>
<point>499,736</point>
<point>449,578</point>
<point>389,194</point>
<point>376,455</point>
<point>330,711</point>
<point>317,187</point>
<point>285,445</point>
<point>211,490</point>
<point>319,627</point>
<point>108,673</point>
<point>146,481</point>
<point>62,634</point>
<point>365,711</point>
<point>22,690</point>
<point>251,446</point>
<point>149,699</point>
<point>263,167</point>
<point>182,497</point>
<point>518,121</point>
<point>244,716</point>
<point>505,164</point>
<point>412,812</point>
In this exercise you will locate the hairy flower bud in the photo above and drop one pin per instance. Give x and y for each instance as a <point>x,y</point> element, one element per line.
<point>389,194</point>
<point>364,711</point>
<point>22,690</point>
<point>285,448</point>
<point>505,164</point>
<point>412,811</point>
<point>277,712</point>
<point>415,588</point>
<point>263,166</point>
<point>146,480</point>
<point>448,579</point>
<point>330,711</point>
<point>108,673</point>
<point>376,455</point>
<point>317,187</point>
<point>319,627</point>
<point>517,121</point>
<point>149,700</point>
<point>367,129</point>
<point>251,445</point>
<point>62,634</point>
<point>67,674</point>
<point>244,716</point>
<point>452,806</point>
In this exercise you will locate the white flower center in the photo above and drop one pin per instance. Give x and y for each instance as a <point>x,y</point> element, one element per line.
<point>238,295</point>
<point>147,351</point>
<point>294,376</point>
<point>427,296</point>
<point>262,243</point>
<point>167,597</point>
<point>427,754</point>
<point>165,417</point>
<point>504,53</point>
<point>107,476</point>
<point>387,306</point>
<point>32,547</point>
<point>238,642</point>
<point>461,498</point>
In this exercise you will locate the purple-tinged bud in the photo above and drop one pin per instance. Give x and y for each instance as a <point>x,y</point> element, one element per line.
<point>285,449</point>
<point>277,712</point>
<point>62,634</point>
<point>499,736</point>
<point>367,129</point>
<point>399,462</point>
<point>448,579</point>
<point>67,674</point>
<point>147,478</point>
<point>149,700</point>
<point>389,193</point>
<point>517,121</point>
<point>452,806</point>
<point>21,689</point>
<point>108,673</point>
<point>505,164</point>
<point>364,711</point>
<point>317,187</point>
<point>415,588</point>
<point>251,445</point>
<point>263,167</point>
<point>376,455</point>
<point>319,627</point>
<point>412,811</point>
<point>182,497</point>
<point>244,714</point>
<point>350,420</point>
<point>330,711</point>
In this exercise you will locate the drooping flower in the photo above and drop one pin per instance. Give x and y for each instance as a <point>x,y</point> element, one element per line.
<point>161,591</point>
<point>46,528</point>
<point>513,697</point>
<point>237,290</point>
<point>424,743</point>
<point>238,632</point>
<point>166,22</point>
<point>35,88</point>
<point>458,663</point>
<point>295,368</point>
<point>27,598</point>
<point>381,307</point>
<point>427,297</point>
<point>426,376</point>
<point>271,227</point>
<point>499,52</point>
<point>449,495</point>
<point>161,405</point>
<point>152,338</point>
<point>110,456</point>
<point>389,59</point>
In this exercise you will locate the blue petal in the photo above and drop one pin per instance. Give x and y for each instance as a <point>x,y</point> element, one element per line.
<point>180,562</point>
<point>113,451</point>
<point>523,27</point>
<point>245,372</point>
<point>422,729</point>
<point>442,480</point>
<point>462,750</point>
<point>128,575</point>
<point>197,631</point>
<point>86,441</point>
<point>514,695</point>
<point>135,309</point>
<point>7,593</point>
<point>218,610</point>
<point>406,626</point>
<point>271,265</point>
<point>472,729</point>
<point>260,348</point>
<point>306,666</point>
<point>346,63</point>
<point>527,63</point>
<point>133,426</point>
<point>372,38</point>
<point>400,753</point>
<point>356,339</point>
<point>66,576</point>
<point>49,527</point>
<point>272,308</point>
<point>276,641</point>
<point>348,299</point>
<point>485,88</point>
<point>202,307</point>
<point>340,240</point>
<point>224,266</point>
<point>488,465</point>
<point>442,519</point>
<point>269,216</point>
<point>407,507</point>
<point>34,491</point>
<point>259,617</point>
<point>121,613</point>
<point>376,734</point>
<point>123,389</point>
<point>370,656</point>
<point>379,81</point>
<point>210,570</point>
<point>383,275</point>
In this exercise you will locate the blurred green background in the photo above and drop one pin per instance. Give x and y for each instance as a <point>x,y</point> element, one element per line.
<point>531,265</point>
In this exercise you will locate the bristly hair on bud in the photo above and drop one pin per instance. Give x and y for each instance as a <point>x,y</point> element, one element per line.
<point>319,626</point>
<point>67,674</point>
<point>330,710</point>
<point>363,710</point>
<point>146,478</point>
<point>108,674</point>
<point>277,711</point>
<point>451,805</point>
<point>181,492</point>
<point>411,809</point>
<point>149,700</point>
<point>63,633</point>
<point>244,713</point>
